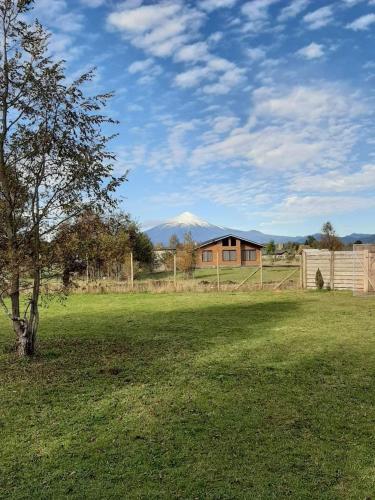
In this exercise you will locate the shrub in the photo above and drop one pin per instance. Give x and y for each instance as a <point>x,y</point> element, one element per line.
<point>319,281</point>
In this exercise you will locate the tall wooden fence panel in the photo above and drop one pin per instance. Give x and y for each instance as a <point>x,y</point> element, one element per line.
<point>347,270</point>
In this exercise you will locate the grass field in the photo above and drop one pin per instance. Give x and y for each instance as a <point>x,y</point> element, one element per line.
<point>262,395</point>
<point>273,274</point>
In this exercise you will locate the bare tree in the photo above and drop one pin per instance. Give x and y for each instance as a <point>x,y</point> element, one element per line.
<point>54,160</point>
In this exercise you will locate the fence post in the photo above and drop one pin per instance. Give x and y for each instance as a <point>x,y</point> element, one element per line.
<point>305,268</point>
<point>87,270</point>
<point>218,271</point>
<point>131,270</point>
<point>175,269</point>
<point>365,271</point>
<point>332,271</point>
<point>261,270</point>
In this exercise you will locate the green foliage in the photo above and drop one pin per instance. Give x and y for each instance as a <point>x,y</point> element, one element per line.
<point>271,248</point>
<point>143,250</point>
<point>319,281</point>
<point>312,242</point>
<point>103,244</point>
<point>254,395</point>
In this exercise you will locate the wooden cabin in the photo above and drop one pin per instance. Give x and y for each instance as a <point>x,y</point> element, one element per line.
<point>229,251</point>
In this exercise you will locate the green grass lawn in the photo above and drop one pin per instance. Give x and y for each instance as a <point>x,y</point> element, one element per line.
<point>263,395</point>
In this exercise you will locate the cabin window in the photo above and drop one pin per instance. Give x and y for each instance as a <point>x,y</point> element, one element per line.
<point>229,255</point>
<point>207,256</point>
<point>248,255</point>
<point>229,242</point>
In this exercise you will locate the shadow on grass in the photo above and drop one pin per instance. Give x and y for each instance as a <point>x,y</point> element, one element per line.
<point>153,335</point>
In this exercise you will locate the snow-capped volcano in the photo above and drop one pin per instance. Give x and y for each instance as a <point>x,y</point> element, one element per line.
<point>184,223</point>
<point>202,230</point>
<point>187,219</point>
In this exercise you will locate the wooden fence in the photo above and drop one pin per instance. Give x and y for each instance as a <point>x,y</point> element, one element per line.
<point>351,270</point>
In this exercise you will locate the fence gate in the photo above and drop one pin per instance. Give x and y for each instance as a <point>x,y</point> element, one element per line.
<point>346,270</point>
<point>365,262</point>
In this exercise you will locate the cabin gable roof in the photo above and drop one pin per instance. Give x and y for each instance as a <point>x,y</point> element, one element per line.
<point>230,235</point>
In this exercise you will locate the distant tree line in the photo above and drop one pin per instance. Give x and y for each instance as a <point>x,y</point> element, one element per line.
<point>94,246</point>
<point>327,241</point>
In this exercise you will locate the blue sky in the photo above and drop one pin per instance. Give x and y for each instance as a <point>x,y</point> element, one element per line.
<point>251,114</point>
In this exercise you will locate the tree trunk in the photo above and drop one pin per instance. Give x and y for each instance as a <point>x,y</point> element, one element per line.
<point>26,336</point>
<point>26,328</point>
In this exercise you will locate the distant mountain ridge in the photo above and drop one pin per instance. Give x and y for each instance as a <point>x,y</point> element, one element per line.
<point>202,230</point>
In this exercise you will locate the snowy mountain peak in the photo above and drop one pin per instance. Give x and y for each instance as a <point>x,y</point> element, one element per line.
<point>188,219</point>
<point>202,230</point>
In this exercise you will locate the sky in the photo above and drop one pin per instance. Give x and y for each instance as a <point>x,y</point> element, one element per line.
<point>251,114</point>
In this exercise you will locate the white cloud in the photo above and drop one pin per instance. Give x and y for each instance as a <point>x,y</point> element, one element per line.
<point>272,148</point>
<point>257,9</point>
<point>222,124</point>
<point>256,53</point>
<point>351,3</point>
<point>216,37</point>
<point>171,29</point>
<point>337,181</point>
<point>226,82</point>
<point>148,70</point>
<point>55,14</point>
<point>295,133</point>
<point>193,52</point>
<point>210,5</point>
<point>293,9</point>
<point>258,13</point>
<point>135,108</point>
<point>240,193</point>
<point>175,153</point>
<point>295,206</point>
<point>63,46</point>
<point>305,104</point>
<point>140,66</point>
<point>193,77</point>
<point>369,65</point>
<point>319,18</point>
<point>312,51</point>
<point>305,127</point>
<point>93,3</point>
<point>160,29</point>
<point>143,18</point>
<point>362,23</point>
<point>223,74</point>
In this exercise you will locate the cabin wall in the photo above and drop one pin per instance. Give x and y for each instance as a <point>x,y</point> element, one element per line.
<point>218,248</point>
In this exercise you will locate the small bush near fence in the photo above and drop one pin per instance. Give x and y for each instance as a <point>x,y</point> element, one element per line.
<point>319,281</point>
